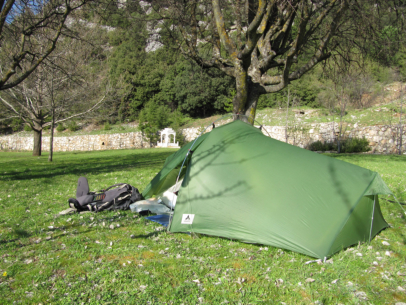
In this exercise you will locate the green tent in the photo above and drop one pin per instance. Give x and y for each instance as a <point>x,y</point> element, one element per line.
<point>241,184</point>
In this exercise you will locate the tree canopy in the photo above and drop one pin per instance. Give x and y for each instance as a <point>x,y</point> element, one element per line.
<point>266,45</point>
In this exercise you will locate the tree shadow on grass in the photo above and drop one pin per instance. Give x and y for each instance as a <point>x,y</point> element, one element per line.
<point>33,169</point>
<point>152,234</point>
<point>355,157</point>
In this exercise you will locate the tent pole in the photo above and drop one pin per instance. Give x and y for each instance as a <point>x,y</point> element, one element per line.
<point>372,219</point>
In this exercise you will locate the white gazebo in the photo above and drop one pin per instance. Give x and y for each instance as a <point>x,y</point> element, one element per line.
<point>165,138</point>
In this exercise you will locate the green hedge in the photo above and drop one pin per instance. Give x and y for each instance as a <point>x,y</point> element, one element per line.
<point>350,145</point>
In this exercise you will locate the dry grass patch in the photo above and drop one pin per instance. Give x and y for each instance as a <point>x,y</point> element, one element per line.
<point>148,255</point>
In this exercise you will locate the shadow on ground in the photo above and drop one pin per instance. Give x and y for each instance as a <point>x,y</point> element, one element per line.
<point>80,164</point>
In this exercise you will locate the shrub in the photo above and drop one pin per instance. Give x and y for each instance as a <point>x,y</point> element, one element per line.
<point>60,128</point>
<point>351,145</point>
<point>107,126</point>
<point>321,146</point>
<point>354,145</point>
<point>73,126</point>
<point>180,138</point>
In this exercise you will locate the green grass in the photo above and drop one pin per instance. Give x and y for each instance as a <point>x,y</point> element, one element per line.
<point>77,259</point>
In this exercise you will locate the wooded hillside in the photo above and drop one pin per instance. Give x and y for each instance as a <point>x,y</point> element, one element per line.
<point>163,62</point>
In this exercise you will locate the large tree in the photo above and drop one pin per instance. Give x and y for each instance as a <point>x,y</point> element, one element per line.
<point>265,45</point>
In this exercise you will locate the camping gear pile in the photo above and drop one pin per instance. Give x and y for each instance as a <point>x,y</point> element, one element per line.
<point>240,184</point>
<point>116,197</point>
<point>164,204</point>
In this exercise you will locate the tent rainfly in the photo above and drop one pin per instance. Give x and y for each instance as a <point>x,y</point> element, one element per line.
<point>241,184</point>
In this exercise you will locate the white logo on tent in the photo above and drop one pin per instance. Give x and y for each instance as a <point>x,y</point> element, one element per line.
<point>187,219</point>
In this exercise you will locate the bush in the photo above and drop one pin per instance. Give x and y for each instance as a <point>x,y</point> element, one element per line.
<point>321,146</point>
<point>354,145</point>
<point>72,126</point>
<point>351,145</point>
<point>107,126</point>
<point>60,128</point>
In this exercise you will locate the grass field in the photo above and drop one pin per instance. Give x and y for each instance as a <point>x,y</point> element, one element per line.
<point>121,258</point>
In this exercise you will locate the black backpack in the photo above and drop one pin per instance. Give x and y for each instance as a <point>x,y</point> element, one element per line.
<point>116,197</point>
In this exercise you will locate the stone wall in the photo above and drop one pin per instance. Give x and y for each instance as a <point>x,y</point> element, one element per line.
<point>77,143</point>
<point>382,139</point>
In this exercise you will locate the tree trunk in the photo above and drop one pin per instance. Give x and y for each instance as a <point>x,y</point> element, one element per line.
<point>51,139</point>
<point>37,142</point>
<point>287,117</point>
<point>254,92</point>
<point>400,124</point>
<point>246,98</point>
<point>240,98</point>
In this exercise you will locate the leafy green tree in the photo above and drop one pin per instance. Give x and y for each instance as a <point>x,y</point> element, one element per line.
<point>127,56</point>
<point>152,119</point>
<point>193,91</point>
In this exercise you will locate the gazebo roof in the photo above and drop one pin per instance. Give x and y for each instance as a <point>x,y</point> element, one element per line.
<point>168,131</point>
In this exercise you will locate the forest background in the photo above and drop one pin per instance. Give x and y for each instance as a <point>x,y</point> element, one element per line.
<point>117,62</point>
